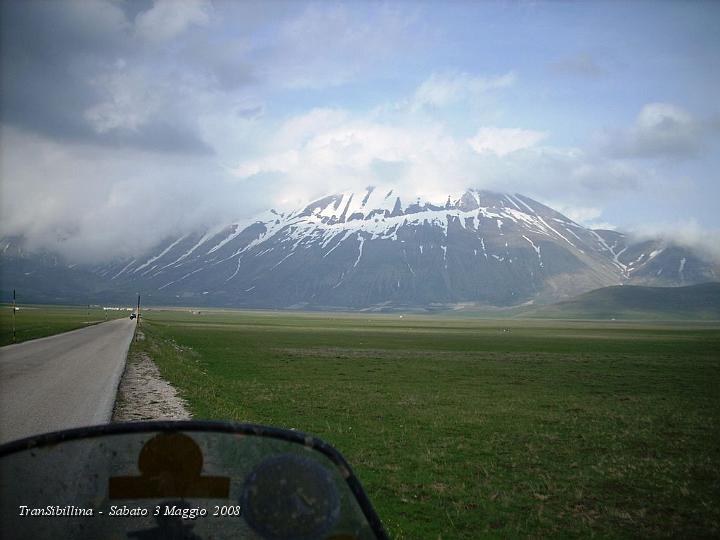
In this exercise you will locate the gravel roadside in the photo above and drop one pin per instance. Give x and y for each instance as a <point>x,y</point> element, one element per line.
<point>144,395</point>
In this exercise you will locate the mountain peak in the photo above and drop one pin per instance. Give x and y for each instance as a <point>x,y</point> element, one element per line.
<point>377,202</point>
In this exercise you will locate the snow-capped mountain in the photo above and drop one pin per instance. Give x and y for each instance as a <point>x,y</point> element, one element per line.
<point>377,248</point>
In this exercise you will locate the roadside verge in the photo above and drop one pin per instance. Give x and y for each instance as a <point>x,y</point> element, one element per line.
<point>143,394</point>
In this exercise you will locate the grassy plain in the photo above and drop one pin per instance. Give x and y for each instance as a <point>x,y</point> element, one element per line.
<point>470,428</point>
<point>32,322</point>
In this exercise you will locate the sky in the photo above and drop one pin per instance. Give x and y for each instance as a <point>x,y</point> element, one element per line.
<point>123,123</point>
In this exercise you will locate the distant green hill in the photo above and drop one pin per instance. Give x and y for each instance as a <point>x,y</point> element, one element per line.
<point>700,302</point>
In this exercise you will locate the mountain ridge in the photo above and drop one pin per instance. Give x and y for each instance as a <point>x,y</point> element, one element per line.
<point>377,248</point>
<point>691,302</point>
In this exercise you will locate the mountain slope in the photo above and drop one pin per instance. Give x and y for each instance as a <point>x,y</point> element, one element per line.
<point>700,302</point>
<point>373,248</point>
<point>657,263</point>
<point>44,277</point>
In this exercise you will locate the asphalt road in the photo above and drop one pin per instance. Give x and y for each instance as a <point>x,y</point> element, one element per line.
<point>62,381</point>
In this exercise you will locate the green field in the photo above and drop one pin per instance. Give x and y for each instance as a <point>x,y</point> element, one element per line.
<point>32,322</point>
<point>466,428</point>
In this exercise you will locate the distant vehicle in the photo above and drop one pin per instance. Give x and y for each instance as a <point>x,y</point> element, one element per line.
<point>132,316</point>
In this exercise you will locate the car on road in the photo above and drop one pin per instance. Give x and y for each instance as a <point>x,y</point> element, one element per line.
<point>132,316</point>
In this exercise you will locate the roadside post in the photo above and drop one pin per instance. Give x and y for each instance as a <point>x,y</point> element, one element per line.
<point>137,315</point>
<point>13,317</point>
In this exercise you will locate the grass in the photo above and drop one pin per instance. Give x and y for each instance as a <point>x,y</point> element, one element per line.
<point>32,322</point>
<point>469,429</point>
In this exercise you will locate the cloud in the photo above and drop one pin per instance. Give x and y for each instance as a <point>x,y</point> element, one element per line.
<point>661,130</point>
<point>48,49</point>
<point>589,216</point>
<point>135,107</point>
<point>73,71</point>
<point>332,44</point>
<point>107,73</point>
<point>687,233</point>
<point>167,19</point>
<point>129,102</point>
<point>177,114</point>
<point>329,150</point>
<point>608,175</point>
<point>323,151</point>
<point>220,61</point>
<point>94,204</point>
<point>445,89</point>
<point>298,129</point>
<point>503,141</point>
<point>102,203</point>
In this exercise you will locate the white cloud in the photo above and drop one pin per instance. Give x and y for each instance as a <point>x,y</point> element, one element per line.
<point>344,152</point>
<point>660,130</point>
<point>298,129</point>
<point>589,216</point>
<point>309,155</point>
<point>329,150</point>
<point>608,175</point>
<point>129,101</point>
<point>579,214</point>
<point>503,141</point>
<point>167,19</point>
<point>440,90</point>
<point>687,232</point>
<point>95,203</point>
